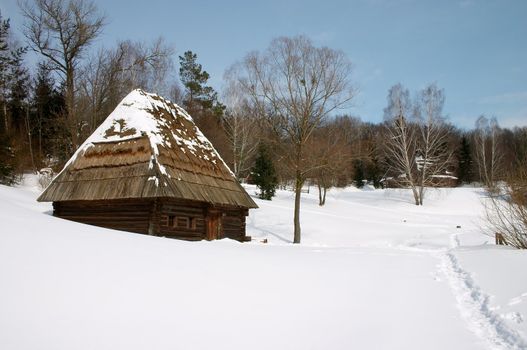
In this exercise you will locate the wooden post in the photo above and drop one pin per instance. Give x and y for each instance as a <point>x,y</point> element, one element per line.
<point>152,222</point>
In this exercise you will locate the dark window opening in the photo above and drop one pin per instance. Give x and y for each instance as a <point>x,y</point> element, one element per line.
<point>181,222</point>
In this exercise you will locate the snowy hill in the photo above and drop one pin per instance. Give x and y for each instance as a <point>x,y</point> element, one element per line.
<point>373,272</point>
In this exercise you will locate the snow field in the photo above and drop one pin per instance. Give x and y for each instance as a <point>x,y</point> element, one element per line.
<point>372,272</point>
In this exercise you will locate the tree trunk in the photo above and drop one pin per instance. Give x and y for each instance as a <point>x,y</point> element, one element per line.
<point>70,94</point>
<point>70,109</point>
<point>28,127</point>
<point>152,220</point>
<point>416,195</point>
<point>40,138</point>
<point>320,200</point>
<point>324,196</point>
<point>298,193</point>
<point>421,194</point>
<point>6,119</point>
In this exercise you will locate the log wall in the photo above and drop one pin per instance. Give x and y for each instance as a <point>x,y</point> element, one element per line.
<point>161,217</point>
<point>123,215</point>
<point>173,215</point>
<point>233,224</point>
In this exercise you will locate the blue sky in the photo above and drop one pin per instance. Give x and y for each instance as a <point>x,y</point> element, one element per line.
<point>475,50</point>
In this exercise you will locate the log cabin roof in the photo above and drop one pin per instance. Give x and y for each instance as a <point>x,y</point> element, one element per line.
<point>148,147</point>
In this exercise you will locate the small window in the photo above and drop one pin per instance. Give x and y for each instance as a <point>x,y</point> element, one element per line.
<point>181,222</point>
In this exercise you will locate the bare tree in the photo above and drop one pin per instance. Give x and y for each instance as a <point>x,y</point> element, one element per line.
<point>329,157</point>
<point>417,139</point>
<point>61,31</point>
<point>433,154</point>
<point>146,66</point>
<point>506,213</point>
<point>240,124</point>
<point>176,94</point>
<point>111,74</point>
<point>488,153</point>
<point>97,79</point>
<point>401,139</point>
<point>296,85</point>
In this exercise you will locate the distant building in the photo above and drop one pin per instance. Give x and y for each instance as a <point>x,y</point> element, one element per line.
<point>443,180</point>
<point>148,169</point>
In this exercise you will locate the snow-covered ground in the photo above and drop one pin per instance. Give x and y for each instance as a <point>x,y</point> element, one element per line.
<point>373,272</point>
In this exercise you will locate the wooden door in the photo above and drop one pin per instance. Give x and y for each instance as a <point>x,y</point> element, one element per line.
<point>214,226</point>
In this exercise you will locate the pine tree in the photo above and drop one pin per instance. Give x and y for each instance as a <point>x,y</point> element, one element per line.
<point>465,163</point>
<point>7,161</point>
<point>5,62</point>
<point>194,79</point>
<point>374,172</point>
<point>18,93</point>
<point>13,80</point>
<point>358,177</point>
<point>48,103</point>
<point>264,174</point>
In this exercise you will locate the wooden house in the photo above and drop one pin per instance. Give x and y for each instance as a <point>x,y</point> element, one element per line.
<point>148,169</point>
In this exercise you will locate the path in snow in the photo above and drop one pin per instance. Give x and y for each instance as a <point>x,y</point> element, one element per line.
<point>475,307</point>
<point>473,304</point>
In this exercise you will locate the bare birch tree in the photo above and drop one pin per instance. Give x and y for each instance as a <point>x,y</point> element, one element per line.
<point>240,124</point>
<point>401,139</point>
<point>433,154</point>
<point>417,139</point>
<point>296,85</point>
<point>488,153</point>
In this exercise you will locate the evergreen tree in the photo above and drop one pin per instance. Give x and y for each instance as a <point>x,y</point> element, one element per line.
<point>264,174</point>
<point>374,172</point>
<point>13,84</point>
<point>465,163</point>
<point>358,177</point>
<point>5,62</point>
<point>8,161</point>
<point>201,101</point>
<point>18,94</point>
<point>194,79</point>
<point>48,104</point>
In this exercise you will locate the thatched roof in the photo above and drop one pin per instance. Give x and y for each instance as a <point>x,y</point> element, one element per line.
<point>147,147</point>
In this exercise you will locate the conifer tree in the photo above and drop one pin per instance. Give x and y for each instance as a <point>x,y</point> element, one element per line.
<point>48,103</point>
<point>13,77</point>
<point>194,79</point>
<point>264,174</point>
<point>358,178</point>
<point>465,163</point>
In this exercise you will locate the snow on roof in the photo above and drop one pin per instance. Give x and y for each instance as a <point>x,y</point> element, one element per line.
<point>136,116</point>
<point>147,147</point>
